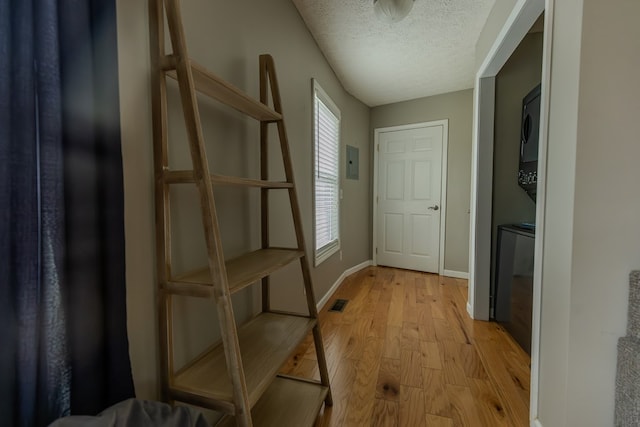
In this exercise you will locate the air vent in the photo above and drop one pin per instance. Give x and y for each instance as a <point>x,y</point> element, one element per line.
<point>339,305</point>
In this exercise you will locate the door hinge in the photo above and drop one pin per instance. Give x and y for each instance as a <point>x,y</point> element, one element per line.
<point>376,251</point>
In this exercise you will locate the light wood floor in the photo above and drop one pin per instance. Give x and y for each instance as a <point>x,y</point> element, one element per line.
<point>405,353</point>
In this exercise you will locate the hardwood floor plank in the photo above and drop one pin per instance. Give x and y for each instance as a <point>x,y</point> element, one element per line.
<point>411,410</point>
<point>433,285</point>
<point>357,303</point>
<point>307,368</point>
<point>422,292</point>
<point>426,328</point>
<point>396,306</point>
<point>362,399</point>
<point>378,326</point>
<point>385,413</point>
<point>520,374</point>
<point>436,421</point>
<point>371,302</point>
<point>490,408</point>
<point>410,368</point>
<point>392,342</point>
<point>454,317</point>
<point>509,388</point>
<point>384,282</point>
<point>294,360</point>
<point>342,384</point>
<point>471,362</point>
<point>437,309</point>
<point>409,309</point>
<point>388,385</point>
<point>443,330</point>
<point>405,353</point>
<point>431,357</point>
<point>435,396</point>
<point>356,342</point>
<point>410,338</point>
<point>337,348</point>
<point>452,363</point>
<point>463,406</point>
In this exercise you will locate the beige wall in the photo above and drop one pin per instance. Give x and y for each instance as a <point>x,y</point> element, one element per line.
<point>606,207</point>
<point>457,107</point>
<point>495,21</point>
<point>520,74</point>
<point>228,37</point>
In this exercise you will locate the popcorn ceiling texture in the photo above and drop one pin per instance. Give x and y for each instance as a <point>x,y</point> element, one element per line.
<point>430,52</point>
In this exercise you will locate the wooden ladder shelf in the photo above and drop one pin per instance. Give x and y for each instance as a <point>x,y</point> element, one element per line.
<point>239,375</point>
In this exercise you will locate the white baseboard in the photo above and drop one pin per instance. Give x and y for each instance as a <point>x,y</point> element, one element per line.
<point>536,423</point>
<point>456,274</point>
<point>470,309</point>
<point>338,282</point>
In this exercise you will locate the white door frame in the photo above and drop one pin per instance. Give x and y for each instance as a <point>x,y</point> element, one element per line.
<point>522,17</point>
<point>443,180</point>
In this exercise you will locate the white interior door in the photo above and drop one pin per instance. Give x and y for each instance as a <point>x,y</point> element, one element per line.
<point>408,203</point>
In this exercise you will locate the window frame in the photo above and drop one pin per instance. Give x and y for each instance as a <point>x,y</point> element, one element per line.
<point>323,253</point>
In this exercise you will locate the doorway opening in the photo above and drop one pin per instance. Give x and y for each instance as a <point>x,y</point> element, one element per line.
<point>517,26</point>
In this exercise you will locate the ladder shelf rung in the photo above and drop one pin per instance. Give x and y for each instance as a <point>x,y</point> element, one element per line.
<point>188,177</point>
<point>188,289</point>
<point>209,84</point>
<point>244,270</point>
<point>266,342</point>
<point>168,62</point>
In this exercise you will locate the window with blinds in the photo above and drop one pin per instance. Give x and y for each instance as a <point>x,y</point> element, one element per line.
<point>326,175</point>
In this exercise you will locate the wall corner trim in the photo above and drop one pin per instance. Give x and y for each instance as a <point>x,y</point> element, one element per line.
<point>338,282</point>
<point>536,423</point>
<point>456,274</point>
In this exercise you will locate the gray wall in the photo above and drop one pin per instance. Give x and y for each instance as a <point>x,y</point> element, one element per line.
<point>457,107</point>
<point>227,37</point>
<point>520,74</point>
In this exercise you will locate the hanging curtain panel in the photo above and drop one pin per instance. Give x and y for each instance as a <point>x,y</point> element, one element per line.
<point>62,285</point>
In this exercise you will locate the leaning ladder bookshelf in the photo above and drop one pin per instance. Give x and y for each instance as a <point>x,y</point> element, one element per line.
<point>238,376</point>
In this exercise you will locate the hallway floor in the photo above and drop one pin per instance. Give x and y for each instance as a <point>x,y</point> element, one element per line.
<point>405,353</point>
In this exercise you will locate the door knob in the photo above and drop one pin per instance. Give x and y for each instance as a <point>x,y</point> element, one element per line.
<point>434,208</point>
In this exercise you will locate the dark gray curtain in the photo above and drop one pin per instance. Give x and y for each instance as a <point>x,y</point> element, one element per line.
<point>64,346</point>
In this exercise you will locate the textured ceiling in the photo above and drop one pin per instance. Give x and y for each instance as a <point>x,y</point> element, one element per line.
<point>430,52</point>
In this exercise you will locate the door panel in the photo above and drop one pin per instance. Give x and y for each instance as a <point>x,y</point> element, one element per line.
<point>394,229</point>
<point>408,200</point>
<point>395,181</point>
<point>421,229</point>
<point>421,174</point>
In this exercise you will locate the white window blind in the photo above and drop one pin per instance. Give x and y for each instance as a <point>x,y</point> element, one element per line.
<point>326,175</point>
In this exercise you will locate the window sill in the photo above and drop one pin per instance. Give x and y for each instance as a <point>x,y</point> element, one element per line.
<point>324,253</point>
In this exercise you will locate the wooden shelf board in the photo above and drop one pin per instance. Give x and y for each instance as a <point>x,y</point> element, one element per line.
<point>187,177</point>
<point>209,84</point>
<point>266,342</point>
<point>188,289</point>
<point>246,269</point>
<point>287,402</point>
